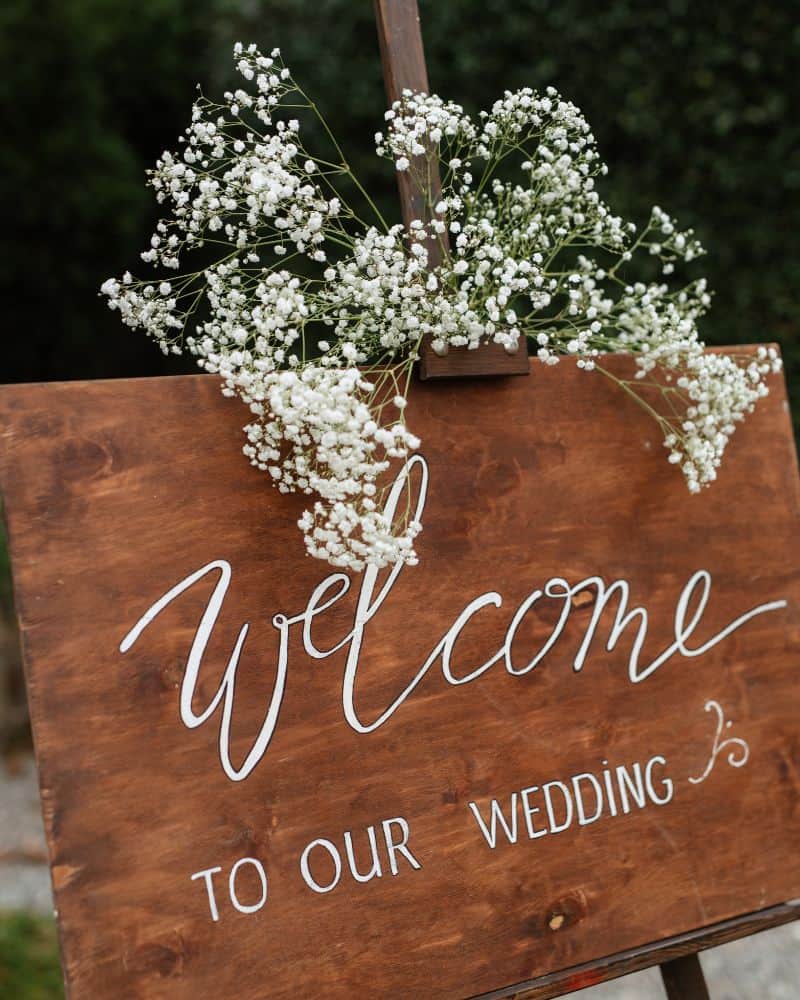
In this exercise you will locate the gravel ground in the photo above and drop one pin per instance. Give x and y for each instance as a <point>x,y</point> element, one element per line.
<point>24,876</point>
<point>764,967</point>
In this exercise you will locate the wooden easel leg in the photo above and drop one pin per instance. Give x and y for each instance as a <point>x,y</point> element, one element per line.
<point>683,979</point>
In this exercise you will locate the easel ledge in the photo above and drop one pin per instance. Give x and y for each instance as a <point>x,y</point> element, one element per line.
<point>677,956</point>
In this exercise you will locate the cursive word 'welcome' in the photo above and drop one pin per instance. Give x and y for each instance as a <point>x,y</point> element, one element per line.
<point>689,609</point>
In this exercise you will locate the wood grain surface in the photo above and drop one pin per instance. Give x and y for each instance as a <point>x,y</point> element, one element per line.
<point>461,362</point>
<point>117,491</point>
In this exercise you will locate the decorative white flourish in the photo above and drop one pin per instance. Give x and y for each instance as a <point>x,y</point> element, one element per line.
<point>739,753</point>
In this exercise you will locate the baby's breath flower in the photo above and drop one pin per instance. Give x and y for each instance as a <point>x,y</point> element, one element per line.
<point>541,258</point>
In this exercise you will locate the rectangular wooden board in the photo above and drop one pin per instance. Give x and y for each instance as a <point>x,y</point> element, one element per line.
<point>543,495</point>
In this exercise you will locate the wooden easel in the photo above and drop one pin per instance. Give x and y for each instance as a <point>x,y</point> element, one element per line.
<point>403,58</point>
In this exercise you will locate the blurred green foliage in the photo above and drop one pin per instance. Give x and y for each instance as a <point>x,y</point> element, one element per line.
<point>694,106</point>
<point>91,91</point>
<point>29,966</point>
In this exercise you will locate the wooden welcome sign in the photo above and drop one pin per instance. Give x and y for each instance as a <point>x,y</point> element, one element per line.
<point>569,733</point>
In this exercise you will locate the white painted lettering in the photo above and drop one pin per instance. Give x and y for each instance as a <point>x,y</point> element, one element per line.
<point>243,907</point>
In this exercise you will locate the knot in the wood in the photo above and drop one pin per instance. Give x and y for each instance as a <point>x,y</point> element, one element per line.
<point>566,911</point>
<point>582,599</point>
<point>171,674</point>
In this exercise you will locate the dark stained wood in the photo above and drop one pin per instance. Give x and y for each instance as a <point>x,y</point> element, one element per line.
<point>459,362</point>
<point>683,979</point>
<point>116,491</point>
<point>670,951</point>
<point>403,58</point>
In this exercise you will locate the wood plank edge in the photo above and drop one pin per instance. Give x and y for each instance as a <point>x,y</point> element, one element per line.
<point>577,977</point>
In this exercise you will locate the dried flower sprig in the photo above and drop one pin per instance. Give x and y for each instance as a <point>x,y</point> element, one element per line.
<point>540,258</point>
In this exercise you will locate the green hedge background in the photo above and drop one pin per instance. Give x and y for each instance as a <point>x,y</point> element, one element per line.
<point>694,106</point>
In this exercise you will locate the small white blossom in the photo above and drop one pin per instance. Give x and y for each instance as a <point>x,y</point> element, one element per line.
<point>329,413</point>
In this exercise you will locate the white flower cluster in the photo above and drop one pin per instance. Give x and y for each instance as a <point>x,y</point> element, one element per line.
<point>418,124</point>
<point>520,114</point>
<point>706,394</point>
<point>257,189</point>
<point>318,435</point>
<point>314,318</point>
<point>720,393</point>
